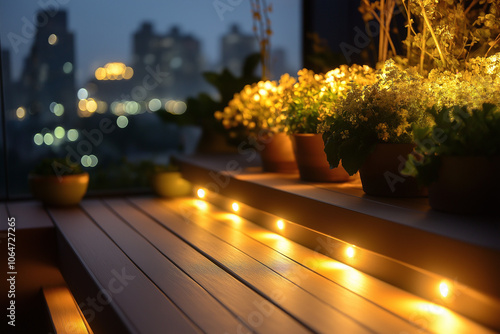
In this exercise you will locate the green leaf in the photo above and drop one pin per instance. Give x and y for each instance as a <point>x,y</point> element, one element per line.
<point>353,154</point>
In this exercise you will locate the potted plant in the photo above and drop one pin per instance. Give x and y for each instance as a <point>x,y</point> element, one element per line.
<point>257,111</point>
<point>58,182</point>
<point>167,181</point>
<point>460,159</point>
<point>308,102</point>
<point>372,130</point>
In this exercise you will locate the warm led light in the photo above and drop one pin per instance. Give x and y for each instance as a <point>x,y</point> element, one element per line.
<point>444,289</point>
<point>235,207</point>
<point>201,193</point>
<point>350,252</point>
<point>280,224</point>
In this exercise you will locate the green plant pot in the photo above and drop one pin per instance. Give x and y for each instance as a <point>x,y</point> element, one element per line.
<point>380,174</point>
<point>65,190</point>
<point>171,184</point>
<point>277,154</point>
<point>312,162</point>
<point>466,185</point>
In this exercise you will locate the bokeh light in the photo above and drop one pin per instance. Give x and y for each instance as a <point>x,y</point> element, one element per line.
<point>52,39</point>
<point>154,105</point>
<point>59,132</point>
<point>20,113</point>
<point>72,134</point>
<point>114,71</point>
<point>38,139</point>
<point>48,139</point>
<point>82,94</point>
<point>67,67</point>
<point>122,122</point>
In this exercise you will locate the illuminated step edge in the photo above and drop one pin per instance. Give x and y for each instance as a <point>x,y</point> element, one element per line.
<point>445,291</point>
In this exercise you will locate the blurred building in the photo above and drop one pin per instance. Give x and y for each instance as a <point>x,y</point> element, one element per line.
<point>279,65</point>
<point>48,78</point>
<point>166,65</point>
<point>236,46</point>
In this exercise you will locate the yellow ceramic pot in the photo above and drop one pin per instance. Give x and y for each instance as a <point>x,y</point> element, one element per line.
<point>59,190</point>
<point>171,184</point>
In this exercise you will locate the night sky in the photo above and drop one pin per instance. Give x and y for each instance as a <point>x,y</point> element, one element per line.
<point>103,28</point>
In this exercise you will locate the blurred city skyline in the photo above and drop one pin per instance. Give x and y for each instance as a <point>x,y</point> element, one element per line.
<point>103,31</point>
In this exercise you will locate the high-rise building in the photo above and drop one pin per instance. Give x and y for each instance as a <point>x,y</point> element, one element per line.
<point>169,65</point>
<point>6,80</point>
<point>48,78</point>
<point>236,46</point>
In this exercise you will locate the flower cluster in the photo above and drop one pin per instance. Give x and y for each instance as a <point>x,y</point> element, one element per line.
<point>382,112</point>
<point>385,110</point>
<point>478,83</point>
<point>256,108</point>
<point>313,97</point>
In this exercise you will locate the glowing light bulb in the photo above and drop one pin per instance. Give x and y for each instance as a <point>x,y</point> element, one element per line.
<point>350,252</point>
<point>201,193</point>
<point>280,224</point>
<point>444,289</point>
<point>235,207</point>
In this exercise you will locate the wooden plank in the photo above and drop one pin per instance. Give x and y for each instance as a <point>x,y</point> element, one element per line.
<point>29,215</point>
<point>396,301</point>
<point>65,315</point>
<point>456,246</point>
<point>190,297</point>
<point>141,305</point>
<point>253,309</point>
<point>308,309</point>
<point>338,297</point>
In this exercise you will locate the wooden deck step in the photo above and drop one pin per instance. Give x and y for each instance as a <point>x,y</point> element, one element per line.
<point>193,268</point>
<point>65,315</point>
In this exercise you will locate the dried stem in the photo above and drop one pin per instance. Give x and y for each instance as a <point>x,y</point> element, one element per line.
<point>408,47</point>
<point>422,54</point>
<point>384,38</point>
<point>492,45</point>
<point>470,6</point>
<point>426,19</point>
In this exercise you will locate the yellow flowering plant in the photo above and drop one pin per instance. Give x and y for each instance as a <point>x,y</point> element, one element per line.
<point>379,113</point>
<point>256,110</point>
<point>476,84</point>
<point>313,97</point>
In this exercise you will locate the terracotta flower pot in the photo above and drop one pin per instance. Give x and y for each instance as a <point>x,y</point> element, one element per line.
<point>277,154</point>
<point>171,184</point>
<point>466,185</point>
<point>312,162</point>
<point>65,190</point>
<point>380,173</point>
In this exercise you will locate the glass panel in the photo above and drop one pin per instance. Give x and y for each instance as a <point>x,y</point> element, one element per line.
<point>88,77</point>
<point>3,176</point>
